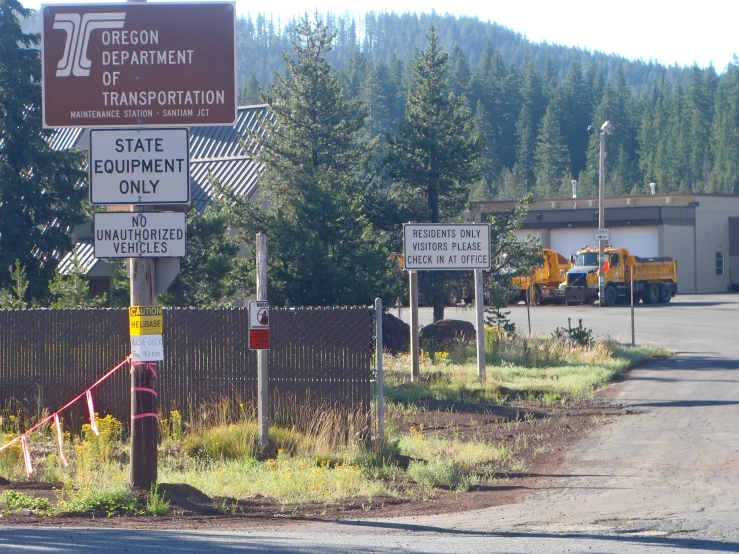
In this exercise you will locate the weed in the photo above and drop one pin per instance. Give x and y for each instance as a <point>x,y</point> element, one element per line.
<point>13,501</point>
<point>156,505</point>
<point>113,499</point>
<point>435,473</point>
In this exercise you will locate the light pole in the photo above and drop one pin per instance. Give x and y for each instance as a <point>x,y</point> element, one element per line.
<point>606,129</point>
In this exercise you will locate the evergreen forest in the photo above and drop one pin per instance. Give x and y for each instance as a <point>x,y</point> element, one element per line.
<point>677,127</point>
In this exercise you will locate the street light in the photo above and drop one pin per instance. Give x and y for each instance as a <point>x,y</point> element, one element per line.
<point>606,129</point>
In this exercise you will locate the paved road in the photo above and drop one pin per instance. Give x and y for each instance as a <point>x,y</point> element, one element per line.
<point>665,479</point>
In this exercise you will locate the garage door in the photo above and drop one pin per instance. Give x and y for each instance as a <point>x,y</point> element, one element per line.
<point>641,241</point>
<point>522,234</point>
<point>569,241</point>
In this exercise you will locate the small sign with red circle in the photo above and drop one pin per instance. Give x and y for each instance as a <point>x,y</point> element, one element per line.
<point>258,325</point>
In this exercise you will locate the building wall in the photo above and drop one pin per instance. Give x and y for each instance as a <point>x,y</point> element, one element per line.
<point>678,241</point>
<point>712,235</point>
<point>673,233</point>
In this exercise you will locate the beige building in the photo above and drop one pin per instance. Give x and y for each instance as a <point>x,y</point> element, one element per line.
<point>701,231</point>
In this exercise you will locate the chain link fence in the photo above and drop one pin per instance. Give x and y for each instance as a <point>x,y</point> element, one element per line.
<point>319,355</point>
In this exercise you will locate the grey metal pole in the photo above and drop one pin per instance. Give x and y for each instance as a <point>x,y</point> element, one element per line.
<point>633,334</point>
<point>415,344</point>
<point>380,373</point>
<point>479,308</point>
<point>262,355</point>
<point>601,216</point>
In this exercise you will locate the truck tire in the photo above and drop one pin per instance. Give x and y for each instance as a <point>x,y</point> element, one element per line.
<point>665,293</point>
<point>453,297</point>
<point>651,294</point>
<point>611,295</point>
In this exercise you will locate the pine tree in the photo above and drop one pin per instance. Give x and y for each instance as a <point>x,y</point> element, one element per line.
<point>576,117</point>
<point>41,190</point>
<point>251,93</point>
<point>435,153</point>
<point>529,117</point>
<point>699,108</point>
<point>552,157</point>
<point>324,247</point>
<point>73,290</point>
<point>376,96</point>
<point>460,76</point>
<point>724,178</point>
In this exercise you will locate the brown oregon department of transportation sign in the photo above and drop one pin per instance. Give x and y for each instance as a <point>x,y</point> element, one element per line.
<point>139,64</point>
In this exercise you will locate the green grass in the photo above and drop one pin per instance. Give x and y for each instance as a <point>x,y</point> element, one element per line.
<point>529,368</point>
<point>318,454</point>
<point>290,480</point>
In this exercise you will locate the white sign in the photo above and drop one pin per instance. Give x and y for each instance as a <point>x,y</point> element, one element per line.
<point>602,234</point>
<point>258,325</point>
<point>144,166</point>
<point>147,348</point>
<point>446,245</point>
<point>136,235</point>
<point>258,314</point>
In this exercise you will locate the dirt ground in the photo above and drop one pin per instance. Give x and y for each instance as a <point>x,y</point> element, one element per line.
<point>541,436</point>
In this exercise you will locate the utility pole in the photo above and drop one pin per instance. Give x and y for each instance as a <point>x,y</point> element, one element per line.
<point>144,421</point>
<point>606,129</point>
<point>601,216</point>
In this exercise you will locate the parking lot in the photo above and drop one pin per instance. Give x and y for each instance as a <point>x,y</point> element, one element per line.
<point>683,324</point>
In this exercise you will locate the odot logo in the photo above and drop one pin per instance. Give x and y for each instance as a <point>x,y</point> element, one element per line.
<point>78,28</point>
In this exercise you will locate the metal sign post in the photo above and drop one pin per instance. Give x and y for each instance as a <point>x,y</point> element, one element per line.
<point>262,355</point>
<point>633,335</point>
<point>446,246</point>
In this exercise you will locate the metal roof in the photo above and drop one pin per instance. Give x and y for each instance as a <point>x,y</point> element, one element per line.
<point>66,138</point>
<point>217,150</point>
<point>85,256</point>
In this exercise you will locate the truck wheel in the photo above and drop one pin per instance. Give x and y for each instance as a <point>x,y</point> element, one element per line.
<point>611,296</point>
<point>651,294</point>
<point>665,293</point>
<point>453,298</point>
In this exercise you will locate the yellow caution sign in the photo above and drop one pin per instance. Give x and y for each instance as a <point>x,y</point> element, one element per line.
<point>145,320</point>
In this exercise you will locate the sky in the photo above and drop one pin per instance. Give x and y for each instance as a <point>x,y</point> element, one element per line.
<point>670,32</point>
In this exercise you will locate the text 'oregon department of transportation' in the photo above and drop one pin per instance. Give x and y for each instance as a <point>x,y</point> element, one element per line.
<point>137,64</point>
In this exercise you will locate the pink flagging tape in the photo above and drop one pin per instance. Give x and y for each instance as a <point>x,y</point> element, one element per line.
<point>144,389</point>
<point>140,416</point>
<point>26,456</point>
<point>91,409</point>
<point>67,405</point>
<point>148,366</point>
<point>59,439</point>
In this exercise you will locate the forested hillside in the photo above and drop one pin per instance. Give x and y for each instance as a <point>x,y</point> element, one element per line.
<point>677,127</point>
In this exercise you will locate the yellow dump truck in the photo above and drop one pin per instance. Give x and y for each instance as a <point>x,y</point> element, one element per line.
<point>655,279</point>
<point>547,276</point>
